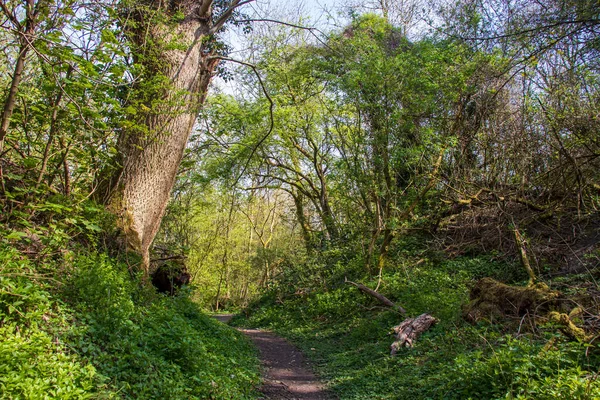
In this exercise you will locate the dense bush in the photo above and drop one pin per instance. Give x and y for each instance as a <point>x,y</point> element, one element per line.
<point>525,369</point>
<point>35,361</point>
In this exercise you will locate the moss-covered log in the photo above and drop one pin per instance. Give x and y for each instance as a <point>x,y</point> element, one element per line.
<point>491,299</point>
<point>568,326</point>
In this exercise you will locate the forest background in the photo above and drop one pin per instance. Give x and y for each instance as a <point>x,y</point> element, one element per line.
<point>445,156</point>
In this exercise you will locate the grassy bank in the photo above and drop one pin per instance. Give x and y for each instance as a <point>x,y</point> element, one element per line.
<point>75,325</point>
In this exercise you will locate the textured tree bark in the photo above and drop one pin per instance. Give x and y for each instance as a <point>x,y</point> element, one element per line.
<point>65,167</point>
<point>304,226</point>
<point>150,160</point>
<point>51,134</point>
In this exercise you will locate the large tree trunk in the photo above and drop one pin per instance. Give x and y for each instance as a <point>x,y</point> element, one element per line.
<point>302,220</point>
<point>153,146</point>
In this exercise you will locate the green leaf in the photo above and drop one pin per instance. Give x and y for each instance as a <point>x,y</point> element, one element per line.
<point>15,235</point>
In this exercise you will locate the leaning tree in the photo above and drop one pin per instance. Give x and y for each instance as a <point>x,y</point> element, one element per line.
<point>174,55</point>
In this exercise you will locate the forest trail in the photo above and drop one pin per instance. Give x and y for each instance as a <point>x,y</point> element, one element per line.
<point>224,318</point>
<point>286,374</point>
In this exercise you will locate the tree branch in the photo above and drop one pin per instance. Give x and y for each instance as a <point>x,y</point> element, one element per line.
<point>311,30</point>
<point>271,105</point>
<point>227,14</point>
<point>381,298</point>
<point>10,16</point>
<point>204,7</point>
<point>535,30</point>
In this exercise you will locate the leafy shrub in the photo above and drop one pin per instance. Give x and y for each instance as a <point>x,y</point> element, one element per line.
<point>524,369</point>
<point>154,346</point>
<point>34,361</point>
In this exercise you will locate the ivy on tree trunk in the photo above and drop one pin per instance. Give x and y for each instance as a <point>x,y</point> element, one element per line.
<point>171,44</point>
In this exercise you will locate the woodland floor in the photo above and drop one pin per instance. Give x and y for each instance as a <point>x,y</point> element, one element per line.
<point>286,374</point>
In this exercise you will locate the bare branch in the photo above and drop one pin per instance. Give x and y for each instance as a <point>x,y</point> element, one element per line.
<point>535,30</point>
<point>271,107</point>
<point>311,30</point>
<point>10,15</point>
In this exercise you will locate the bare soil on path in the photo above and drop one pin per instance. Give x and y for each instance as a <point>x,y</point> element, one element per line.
<point>286,374</point>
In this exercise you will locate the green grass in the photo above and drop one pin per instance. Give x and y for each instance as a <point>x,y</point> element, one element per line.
<point>349,343</point>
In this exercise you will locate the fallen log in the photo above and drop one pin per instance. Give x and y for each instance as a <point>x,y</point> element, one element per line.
<point>409,331</point>
<point>381,298</point>
<point>490,300</point>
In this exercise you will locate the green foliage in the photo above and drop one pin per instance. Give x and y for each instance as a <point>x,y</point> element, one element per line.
<point>47,223</point>
<point>33,325</point>
<point>233,242</point>
<point>350,161</point>
<point>98,334</point>
<point>523,369</point>
<point>453,361</point>
<point>157,347</point>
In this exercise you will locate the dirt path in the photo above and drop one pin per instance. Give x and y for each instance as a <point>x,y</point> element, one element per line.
<point>224,318</point>
<point>286,374</point>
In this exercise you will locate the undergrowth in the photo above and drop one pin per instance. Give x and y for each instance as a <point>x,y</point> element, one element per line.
<point>348,337</point>
<point>75,325</point>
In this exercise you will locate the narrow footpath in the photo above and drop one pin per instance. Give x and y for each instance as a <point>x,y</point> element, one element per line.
<point>286,374</point>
